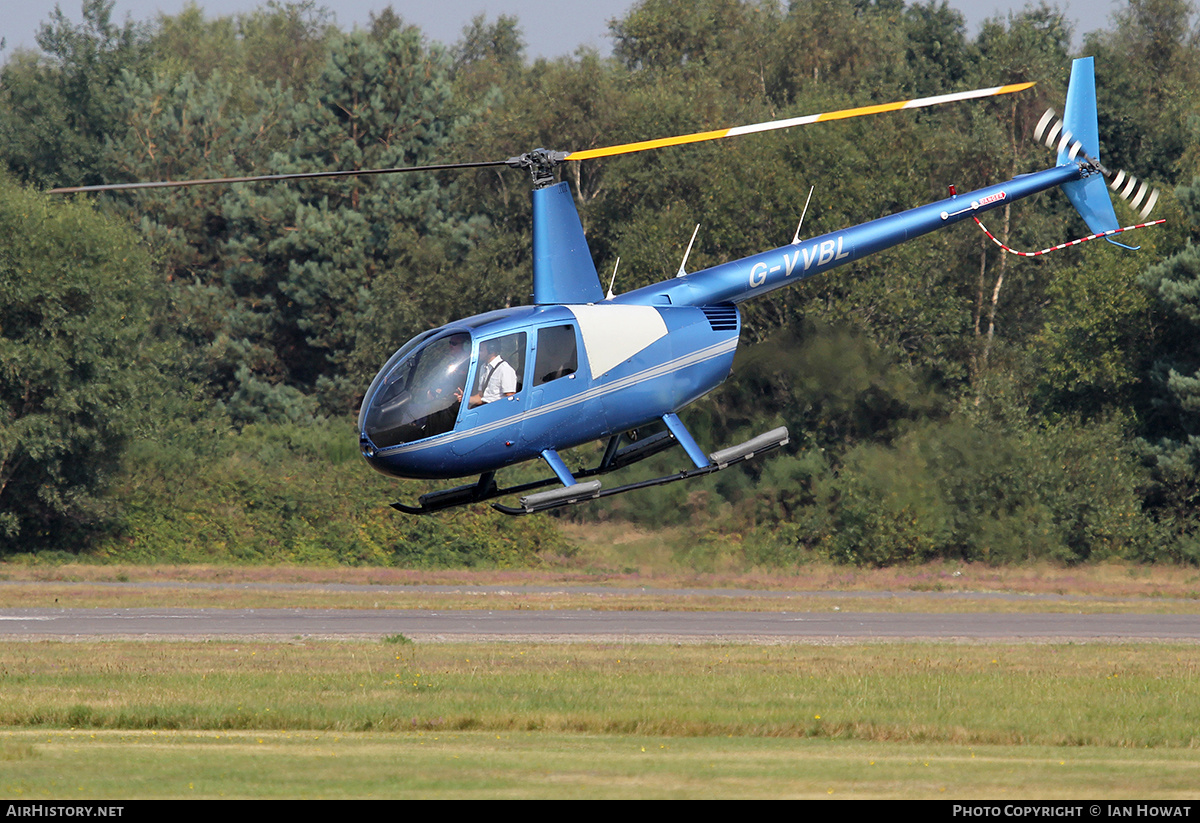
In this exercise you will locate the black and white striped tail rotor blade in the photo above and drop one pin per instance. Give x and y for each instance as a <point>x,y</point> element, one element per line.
<point>1050,131</point>
<point>1139,194</point>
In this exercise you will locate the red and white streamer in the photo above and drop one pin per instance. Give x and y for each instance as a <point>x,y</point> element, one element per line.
<point>1063,245</point>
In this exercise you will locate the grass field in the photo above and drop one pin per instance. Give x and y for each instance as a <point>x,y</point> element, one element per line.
<point>392,718</point>
<point>65,765</point>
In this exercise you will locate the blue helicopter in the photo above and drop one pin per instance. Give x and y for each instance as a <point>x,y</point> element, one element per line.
<point>578,365</point>
<point>590,366</point>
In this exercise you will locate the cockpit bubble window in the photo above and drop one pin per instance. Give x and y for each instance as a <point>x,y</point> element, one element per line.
<point>556,354</point>
<point>419,394</point>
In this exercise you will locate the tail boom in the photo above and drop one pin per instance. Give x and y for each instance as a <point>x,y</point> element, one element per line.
<point>762,273</point>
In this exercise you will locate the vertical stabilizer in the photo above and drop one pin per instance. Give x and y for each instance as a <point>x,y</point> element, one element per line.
<point>1079,119</point>
<point>1080,141</point>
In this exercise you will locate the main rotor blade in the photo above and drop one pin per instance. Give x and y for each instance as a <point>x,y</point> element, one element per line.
<point>541,158</point>
<point>173,184</point>
<point>844,114</point>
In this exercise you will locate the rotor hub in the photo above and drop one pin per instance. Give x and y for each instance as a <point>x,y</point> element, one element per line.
<point>540,163</point>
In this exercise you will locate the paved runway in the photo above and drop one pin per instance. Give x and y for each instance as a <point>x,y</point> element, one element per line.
<point>603,626</point>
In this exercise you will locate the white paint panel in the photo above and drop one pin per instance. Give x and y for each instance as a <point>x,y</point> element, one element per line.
<point>613,334</point>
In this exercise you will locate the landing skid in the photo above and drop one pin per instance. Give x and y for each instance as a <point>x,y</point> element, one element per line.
<point>570,495</point>
<point>486,489</point>
<point>614,458</point>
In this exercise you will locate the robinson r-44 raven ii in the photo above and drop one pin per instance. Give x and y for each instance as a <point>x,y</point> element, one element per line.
<point>577,365</point>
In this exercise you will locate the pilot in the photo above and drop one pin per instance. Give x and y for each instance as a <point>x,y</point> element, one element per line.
<point>496,378</point>
<point>443,397</point>
<point>456,372</point>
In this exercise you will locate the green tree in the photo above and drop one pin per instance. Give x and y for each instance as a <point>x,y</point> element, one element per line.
<point>74,319</point>
<point>981,489</point>
<point>1030,46</point>
<point>185,127</point>
<point>60,107</point>
<point>936,48</point>
<point>290,292</point>
<point>500,43</point>
<point>1148,89</point>
<point>1173,423</point>
<point>286,42</point>
<point>304,260</point>
<point>668,35</point>
<point>282,43</point>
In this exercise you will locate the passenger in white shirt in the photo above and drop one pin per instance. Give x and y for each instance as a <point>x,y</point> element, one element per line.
<point>496,377</point>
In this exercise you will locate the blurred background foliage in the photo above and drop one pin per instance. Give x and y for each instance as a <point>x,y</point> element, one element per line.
<point>180,369</point>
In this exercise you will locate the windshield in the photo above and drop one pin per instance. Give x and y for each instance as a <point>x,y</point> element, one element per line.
<point>418,394</point>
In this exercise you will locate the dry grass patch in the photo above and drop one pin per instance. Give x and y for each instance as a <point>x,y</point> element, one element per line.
<point>816,587</point>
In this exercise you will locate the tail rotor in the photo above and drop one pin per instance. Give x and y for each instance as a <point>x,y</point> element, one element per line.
<point>1138,193</point>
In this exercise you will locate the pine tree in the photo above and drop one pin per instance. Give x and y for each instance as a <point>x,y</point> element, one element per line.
<point>1173,446</point>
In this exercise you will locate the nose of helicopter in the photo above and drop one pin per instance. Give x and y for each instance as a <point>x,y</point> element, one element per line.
<point>393,465</point>
<point>416,395</point>
<point>433,462</point>
<point>366,447</point>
